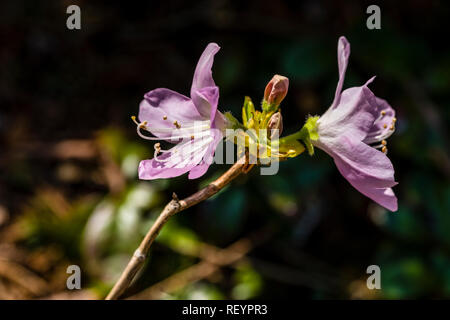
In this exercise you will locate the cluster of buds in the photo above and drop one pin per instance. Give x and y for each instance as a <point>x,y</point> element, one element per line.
<point>264,127</point>
<point>270,117</point>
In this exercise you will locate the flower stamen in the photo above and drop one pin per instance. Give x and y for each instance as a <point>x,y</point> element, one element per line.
<point>134,120</point>
<point>178,146</point>
<point>382,146</point>
<point>157,148</point>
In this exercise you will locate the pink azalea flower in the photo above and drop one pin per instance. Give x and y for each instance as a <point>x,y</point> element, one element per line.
<point>194,124</point>
<point>355,119</point>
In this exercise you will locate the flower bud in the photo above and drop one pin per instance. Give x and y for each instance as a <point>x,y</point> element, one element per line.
<point>276,90</point>
<point>275,123</point>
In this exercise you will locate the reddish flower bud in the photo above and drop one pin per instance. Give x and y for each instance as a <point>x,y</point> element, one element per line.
<point>276,90</point>
<point>275,123</point>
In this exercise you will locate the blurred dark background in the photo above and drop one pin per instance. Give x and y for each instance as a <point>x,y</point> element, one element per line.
<point>69,192</point>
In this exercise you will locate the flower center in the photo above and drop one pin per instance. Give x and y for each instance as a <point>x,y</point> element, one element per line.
<point>388,129</point>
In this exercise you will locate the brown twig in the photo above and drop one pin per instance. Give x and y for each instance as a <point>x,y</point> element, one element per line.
<point>174,206</point>
<point>213,259</point>
<point>199,271</point>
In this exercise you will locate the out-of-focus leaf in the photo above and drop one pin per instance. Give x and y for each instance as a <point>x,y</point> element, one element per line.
<point>405,278</point>
<point>406,223</point>
<point>179,238</point>
<point>248,283</point>
<point>200,291</point>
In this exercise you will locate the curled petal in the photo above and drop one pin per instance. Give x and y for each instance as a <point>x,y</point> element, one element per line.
<point>203,74</point>
<point>343,53</point>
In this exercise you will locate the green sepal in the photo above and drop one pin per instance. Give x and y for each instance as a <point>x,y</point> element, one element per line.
<point>233,123</point>
<point>311,126</point>
<point>306,134</point>
<point>309,133</point>
<point>291,148</point>
<point>269,108</point>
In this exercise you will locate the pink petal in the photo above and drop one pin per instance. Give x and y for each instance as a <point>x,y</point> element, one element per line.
<point>203,74</point>
<point>201,168</point>
<point>162,107</point>
<point>367,169</point>
<point>149,170</point>
<point>354,116</point>
<point>206,100</point>
<point>365,164</point>
<point>173,164</point>
<point>384,197</point>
